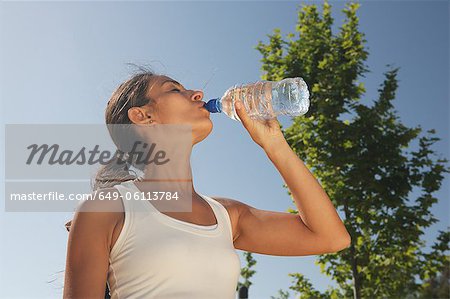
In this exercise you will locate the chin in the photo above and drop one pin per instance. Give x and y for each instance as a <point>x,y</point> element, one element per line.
<point>203,131</point>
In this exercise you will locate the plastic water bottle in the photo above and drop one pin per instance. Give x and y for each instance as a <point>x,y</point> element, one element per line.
<point>264,99</point>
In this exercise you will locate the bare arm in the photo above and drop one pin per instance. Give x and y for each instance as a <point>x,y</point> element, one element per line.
<point>272,233</point>
<point>315,207</point>
<point>88,251</point>
<point>316,229</point>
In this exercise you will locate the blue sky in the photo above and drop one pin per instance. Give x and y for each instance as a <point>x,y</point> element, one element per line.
<point>60,61</point>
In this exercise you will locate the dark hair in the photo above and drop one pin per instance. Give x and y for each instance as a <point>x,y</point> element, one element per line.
<point>131,93</point>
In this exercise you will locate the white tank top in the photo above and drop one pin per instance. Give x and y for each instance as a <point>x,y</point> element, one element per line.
<point>157,256</point>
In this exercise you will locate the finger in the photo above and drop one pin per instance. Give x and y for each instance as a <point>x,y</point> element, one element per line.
<point>241,112</point>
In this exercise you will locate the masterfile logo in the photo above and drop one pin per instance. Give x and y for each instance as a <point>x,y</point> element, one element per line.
<point>51,167</point>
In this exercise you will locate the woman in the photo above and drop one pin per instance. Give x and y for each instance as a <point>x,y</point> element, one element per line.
<point>189,254</point>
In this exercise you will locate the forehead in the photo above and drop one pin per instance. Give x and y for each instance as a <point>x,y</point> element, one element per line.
<point>159,81</point>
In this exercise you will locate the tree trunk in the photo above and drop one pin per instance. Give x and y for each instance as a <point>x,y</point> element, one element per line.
<point>354,262</point>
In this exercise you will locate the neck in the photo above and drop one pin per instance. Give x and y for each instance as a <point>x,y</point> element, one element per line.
<point>168,168</point>
<point>175,176</point>
<point>180,177</point>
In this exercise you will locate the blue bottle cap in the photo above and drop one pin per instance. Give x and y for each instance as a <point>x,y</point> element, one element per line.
<point>213,106</point>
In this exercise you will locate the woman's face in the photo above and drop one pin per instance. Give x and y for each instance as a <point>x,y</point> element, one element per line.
<point>173,104</point>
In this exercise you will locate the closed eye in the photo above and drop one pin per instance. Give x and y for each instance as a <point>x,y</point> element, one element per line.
<point>176,89</point>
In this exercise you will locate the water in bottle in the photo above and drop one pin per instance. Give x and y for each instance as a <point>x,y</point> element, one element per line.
<point>264,99</point>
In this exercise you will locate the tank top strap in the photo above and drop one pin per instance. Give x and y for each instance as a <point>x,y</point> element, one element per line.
<point>221,212</point>
<point>129,220</point>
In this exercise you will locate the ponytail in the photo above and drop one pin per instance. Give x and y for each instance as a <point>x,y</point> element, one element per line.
<point>113,173</point>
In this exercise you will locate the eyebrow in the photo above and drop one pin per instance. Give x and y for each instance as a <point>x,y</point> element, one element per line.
<point>171,81</point>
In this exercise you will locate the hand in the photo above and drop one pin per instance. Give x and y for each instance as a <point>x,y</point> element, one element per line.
<point>266,133</point>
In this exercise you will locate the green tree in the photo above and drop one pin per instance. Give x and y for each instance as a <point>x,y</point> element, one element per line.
<point>437,286</point>
<point>362,162</point>
<point>281,295</point>
<point>246,271</point>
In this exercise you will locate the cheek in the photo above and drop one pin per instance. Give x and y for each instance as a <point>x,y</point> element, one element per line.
<point>176,111</point>
<point>175,108</point>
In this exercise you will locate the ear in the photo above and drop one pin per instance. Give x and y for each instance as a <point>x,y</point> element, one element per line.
<point>139,115</point>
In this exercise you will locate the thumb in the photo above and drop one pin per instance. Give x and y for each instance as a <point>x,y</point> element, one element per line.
<point>241,112</point>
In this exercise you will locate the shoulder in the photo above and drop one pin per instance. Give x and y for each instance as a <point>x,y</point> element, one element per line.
<point>105,224</point>
<point>107,212</point>
<point>230,204</point>
<point>235,206</point>
<point>235,209</point>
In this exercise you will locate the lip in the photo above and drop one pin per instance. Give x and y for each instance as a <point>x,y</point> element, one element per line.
<point>201,105</point>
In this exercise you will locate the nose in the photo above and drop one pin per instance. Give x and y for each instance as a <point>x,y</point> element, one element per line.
<point>197,95</point>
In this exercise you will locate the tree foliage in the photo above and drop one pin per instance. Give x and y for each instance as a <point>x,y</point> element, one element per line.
<point>246,271</point>
<point>363,160</point>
